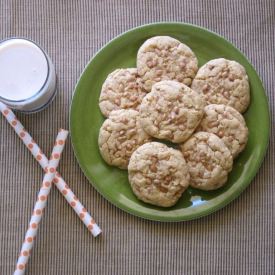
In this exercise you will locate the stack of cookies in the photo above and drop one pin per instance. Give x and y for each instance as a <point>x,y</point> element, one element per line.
<point>168,98</point>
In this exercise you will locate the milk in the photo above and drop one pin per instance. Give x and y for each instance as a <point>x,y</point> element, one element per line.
<point>27,76</point>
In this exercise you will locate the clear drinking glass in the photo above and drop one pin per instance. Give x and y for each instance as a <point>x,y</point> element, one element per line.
<point>27,75</point>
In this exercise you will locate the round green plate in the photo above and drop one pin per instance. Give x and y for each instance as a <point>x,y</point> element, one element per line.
<point>86,119</point>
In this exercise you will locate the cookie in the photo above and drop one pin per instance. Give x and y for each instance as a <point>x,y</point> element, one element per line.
<point>165,58</point>
<point>228,124</point>
<point>121,90</point>
<point>119,136</point>
<point>222,81</point>
<point>208,159</point>
<point>172,111</point>
<point>158,174</point>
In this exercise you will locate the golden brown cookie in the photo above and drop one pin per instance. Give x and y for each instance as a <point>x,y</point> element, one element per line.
<point>119,136</point>
<point>121,90</point>
<point>172,111</point>
<point>222,81</point>
<point>165,58</point>
<point>158,174</point>
<point>208,159</point>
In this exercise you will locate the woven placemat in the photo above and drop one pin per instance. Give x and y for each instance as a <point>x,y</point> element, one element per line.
<point>239,239</point>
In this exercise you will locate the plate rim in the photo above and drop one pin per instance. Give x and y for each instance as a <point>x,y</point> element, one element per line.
<point>203,212</point>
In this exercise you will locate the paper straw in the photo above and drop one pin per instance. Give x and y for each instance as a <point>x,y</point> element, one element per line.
<point>43,161</point>
<point>40,203</point>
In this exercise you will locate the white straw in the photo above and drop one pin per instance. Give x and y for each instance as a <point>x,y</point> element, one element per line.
<point>43,161</point>
<point>40,204</point>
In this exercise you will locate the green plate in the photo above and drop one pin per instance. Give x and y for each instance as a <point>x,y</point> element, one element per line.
<point>86,119</point>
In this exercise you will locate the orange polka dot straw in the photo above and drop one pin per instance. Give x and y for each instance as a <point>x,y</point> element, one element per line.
<point>59,182</point>
<point>40,205</point>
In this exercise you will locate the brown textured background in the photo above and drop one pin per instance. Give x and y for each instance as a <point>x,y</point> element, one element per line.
<point>239,239</point>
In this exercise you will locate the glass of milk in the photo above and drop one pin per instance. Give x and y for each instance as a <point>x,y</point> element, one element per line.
<point>27,75</point>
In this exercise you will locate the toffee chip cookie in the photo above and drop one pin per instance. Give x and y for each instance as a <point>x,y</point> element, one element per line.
<point>171,111</point>
<point>165,58</point>
<point>121,90</point>
<point>223,81</point>
<point>208,159</point>
<point>158,174</point>
<point>226,123</point>
<point>119,136</point>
